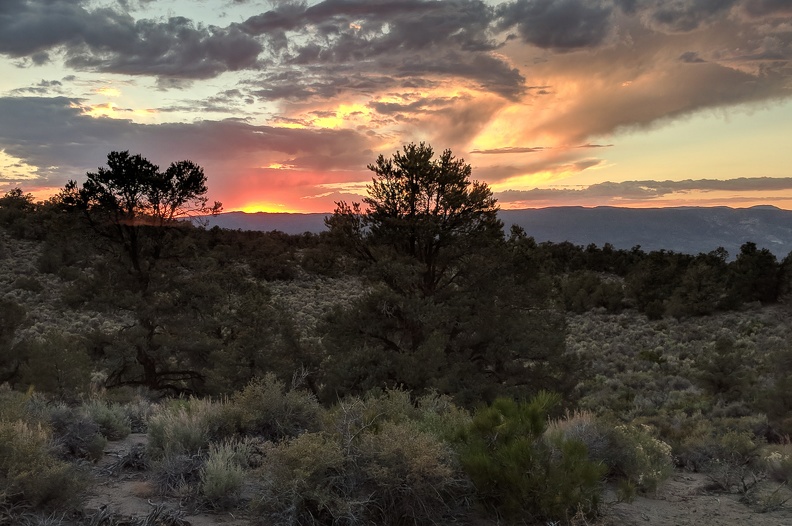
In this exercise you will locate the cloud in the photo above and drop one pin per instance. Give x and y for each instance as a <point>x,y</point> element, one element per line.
<point>765,8</point>
<point>110,41</point>
<point>510,149</point>
<point>558,24</point>
<point>490,73</point>
<point>617,96</point>
<point>685,15</point>
<point>42,88</point>
<point>422,105</point>
<point>368,28</point>
<point>338,46</point>
<point>691,57</point>
<point>589,145</point>
<point>624,192</point>
<point>56,137</point>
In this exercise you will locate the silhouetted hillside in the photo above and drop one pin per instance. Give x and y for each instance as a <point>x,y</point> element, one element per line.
<point>689,230</point>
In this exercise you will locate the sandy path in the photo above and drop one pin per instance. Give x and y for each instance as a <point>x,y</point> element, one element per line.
<point>129,493</point>
<point>684,501</point>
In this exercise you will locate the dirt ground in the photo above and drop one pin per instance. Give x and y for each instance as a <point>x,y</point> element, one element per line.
<point>128,492</point>
<point>684,500</point>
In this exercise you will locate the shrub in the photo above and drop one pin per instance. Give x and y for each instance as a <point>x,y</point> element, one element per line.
<point>138,410</point>
<point>302,482</point>
<point>736,462</point>
<point>188,426</point>
<point>113,422</point>
<point>583,427</point>
<point>13,404</point>
<point>29,472</point>
<point>178,474</point>
<point>410,476</point>
<point>77,434</point>
<point>56,363</point>
<point>637,457</point>
<point>28,283</point>
<point>265,408</point>
<point>390,474</point>
<point>778,463</point>
<point>223,474</point>
<point>441,417</point>
<point>519,474</point>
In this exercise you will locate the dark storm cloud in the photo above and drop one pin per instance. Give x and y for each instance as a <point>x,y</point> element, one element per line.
<point>686,15</point>
<point>110,41</point>
<point>372,27</point>
<point>422,105</point>
<point>488,72</point>
<point>558,24</point>
<point>54,135</point>
<point>176,48</point>
<point>323,82</point>
<point>762,8</point>
<point>341,42</point>
<point>691,57</point>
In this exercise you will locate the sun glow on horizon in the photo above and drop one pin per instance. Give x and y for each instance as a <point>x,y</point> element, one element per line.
<point>267,207</point>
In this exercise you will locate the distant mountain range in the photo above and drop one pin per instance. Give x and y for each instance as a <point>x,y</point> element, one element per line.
<point>689,230</point>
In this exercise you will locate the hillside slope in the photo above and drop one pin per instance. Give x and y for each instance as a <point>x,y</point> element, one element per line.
<point>687,230</point>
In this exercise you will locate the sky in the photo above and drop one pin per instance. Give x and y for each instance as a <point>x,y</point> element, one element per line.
<point>637,103</point>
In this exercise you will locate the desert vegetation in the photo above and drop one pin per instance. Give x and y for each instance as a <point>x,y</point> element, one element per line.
<point>412,365</point>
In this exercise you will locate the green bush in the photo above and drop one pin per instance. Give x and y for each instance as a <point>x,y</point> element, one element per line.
<point>112,419</point>
<point>57,364</point>
<point>441,417</point>
<point>29,472</point>
<point>518,474</point>
<point>375,464</point>
<point>637,457</point>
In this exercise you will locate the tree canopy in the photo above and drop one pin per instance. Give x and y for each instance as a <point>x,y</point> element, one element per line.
<point>442,292</point>
<point>131,193</point>
<point>423,208</point>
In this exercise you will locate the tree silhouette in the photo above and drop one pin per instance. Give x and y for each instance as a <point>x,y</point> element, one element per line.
<point>424,210</point>
<point>132,202</point>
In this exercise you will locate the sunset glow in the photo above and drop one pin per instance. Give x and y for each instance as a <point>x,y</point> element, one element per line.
<point>252,208</point>
<point>580,102</point>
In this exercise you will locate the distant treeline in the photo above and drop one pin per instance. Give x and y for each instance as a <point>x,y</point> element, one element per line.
<point>203,320</point>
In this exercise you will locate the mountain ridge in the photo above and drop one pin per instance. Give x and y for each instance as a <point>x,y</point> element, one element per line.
<point>680,229</point>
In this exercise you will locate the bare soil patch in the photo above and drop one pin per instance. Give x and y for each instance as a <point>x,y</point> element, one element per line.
<point>128,492</point>
<point>685,500</point>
